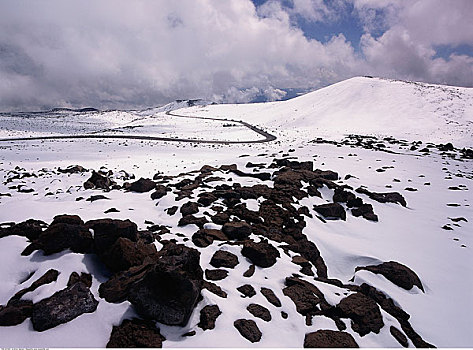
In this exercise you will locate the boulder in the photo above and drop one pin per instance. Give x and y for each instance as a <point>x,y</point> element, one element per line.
<point>142,185</point>
<point>192,220</point>
<point>386,197</point>
<point>107,231</point>
<point>397,273</point>
<point>125,253</point>
<point>135,333</point>
<point>270,296</point>
<point>259,311</point>
<point>208,316</point>
<point>236,230</point>
<point>363,311</point>
<point>325,338</point>
<point>223,258</point>
<point>160,192</point>
<point>62,307</point>
<point>98,181</point>
<point>170,289</point>
<point>85,278</point>
<point>15,312</point>
<point>61,236</point>
<point>261,254</point>
<point>205,237</point>
<point>331,211</point>
<point>247,290</point>
<point>30,229</point>
<point>399,336</point>
<point>189,208</point>
<point>248,330</point>
<point>216,275</point>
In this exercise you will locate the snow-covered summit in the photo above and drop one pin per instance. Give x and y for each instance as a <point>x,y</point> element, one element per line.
<point>363,105</point>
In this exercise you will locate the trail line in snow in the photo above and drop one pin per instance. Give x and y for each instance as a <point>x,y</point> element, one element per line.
<point>267,136</point>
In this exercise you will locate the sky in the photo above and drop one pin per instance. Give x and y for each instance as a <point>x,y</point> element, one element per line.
<point>143,53</point>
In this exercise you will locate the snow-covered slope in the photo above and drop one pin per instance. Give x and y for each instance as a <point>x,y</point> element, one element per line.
<point>431,236</point>
<point>363,105</point>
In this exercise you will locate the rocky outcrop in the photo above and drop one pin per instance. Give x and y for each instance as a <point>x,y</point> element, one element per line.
<point>386,197</point>
<point>135,333</point>
<point>331,211</point>
<point>397,273</point>
<point>142,185</point>
<point>363,311</point>
<point>236,230</point>
<point>98,181</point>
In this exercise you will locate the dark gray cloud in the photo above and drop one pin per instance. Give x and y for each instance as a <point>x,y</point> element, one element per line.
<point>120,53</point>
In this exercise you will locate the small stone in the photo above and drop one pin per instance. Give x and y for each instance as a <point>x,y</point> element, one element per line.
<point>247,290</point>
<point>259,311</point>
<point>208,316</point>
<point>248,329</point>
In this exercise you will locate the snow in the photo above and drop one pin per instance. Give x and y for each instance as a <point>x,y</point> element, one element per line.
<point>412,236</point>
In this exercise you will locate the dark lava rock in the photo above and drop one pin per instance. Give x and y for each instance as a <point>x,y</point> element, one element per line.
<point>331,211</point>
<point>304,263</point>
<point>98,181</point>
<point>60,236</point>
<point>15,312</point>
<point>192,220</point>
<point>67,219</point>
<point>250,272</point>
<point>49,277</point>
<point>116,289</point>
<point>125,253</point>
<point>160,192</point>
<point>172,210</point>
<point>135,333</point>
<point>62,307</point>
<point>261,254</point>
<point>30,229</point>
<point>85,278</point>
<point>216,275</point>
<point>365,210</point>
<point>399,336</point>
<point>293,164</point>
<point>247,290</point>
<point>397,273</point>
<point>208,316</point>
<point>259,311</point>
<point>222,258</point>
<point>142,185</point>
<point>206,199</point>
<point>170,290</point>
<point>220,218</point>
<point>364,313</point>
<point>205,237</point>
<point>304,295</point>
<point>248,329</point>
<point>387,197</point>
<point>107,231</point>
<point>236,230</point>
<point>72,169</point>
<point>213,288</point>
<point>325,338</point>
<point>189,208</point>
<point>342,196</point>
<point>270,296</point>
<point>96,198</point>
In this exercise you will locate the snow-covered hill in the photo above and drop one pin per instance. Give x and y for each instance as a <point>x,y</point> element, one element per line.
<point>409,110</point>
<point>362,240</point>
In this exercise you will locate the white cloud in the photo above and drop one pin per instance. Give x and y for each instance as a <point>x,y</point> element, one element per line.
<point>121,53</point>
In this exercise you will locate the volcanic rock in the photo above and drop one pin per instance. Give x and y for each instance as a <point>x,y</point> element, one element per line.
<point>363,311</point>
<point>261,254</point>
<point>189,208</point>
<point>135,333</point>
<point>30,229</point>
<point>259,311</point>
<point>85,278</point>
<point>160,192</point>
<point>107,231</point>
<point>397,273</point>
<point>223,258</point>
<point>49,277</point>
<point>208,316</point>
<point>192,220</point>
<point>170,290</point>
<point>270,296</point>
<point>325,338</point>
<point>248,329</point>
<point>247,290</point>
<point>15,312</point>
<point>387,197</point>
<point>205,237</point>
<point>142,185</point>
<point>331,211</point>
<point>98,181</point>
<point>236,230</point>
<point>125,253</point>
<point>216,275</point>
<point>62,307</point>
<point>399,336</point>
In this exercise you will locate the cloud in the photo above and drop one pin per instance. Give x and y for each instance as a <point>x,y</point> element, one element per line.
<point>121,53</point>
